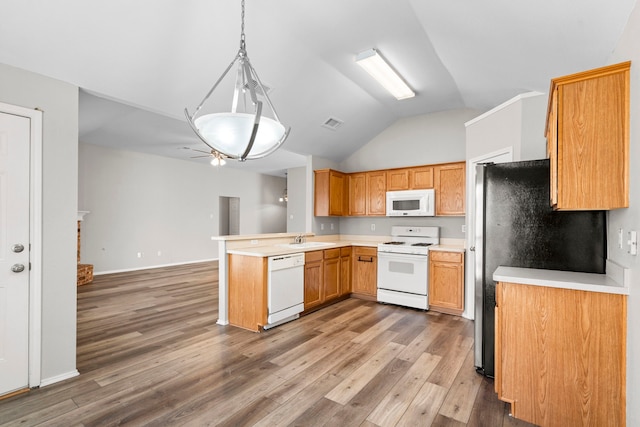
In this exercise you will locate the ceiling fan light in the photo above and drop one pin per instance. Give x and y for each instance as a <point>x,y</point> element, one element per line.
<point>374,64</point>
<point>218,161</point>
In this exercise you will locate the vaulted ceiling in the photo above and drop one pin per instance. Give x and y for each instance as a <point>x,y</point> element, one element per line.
<point>140,63</point>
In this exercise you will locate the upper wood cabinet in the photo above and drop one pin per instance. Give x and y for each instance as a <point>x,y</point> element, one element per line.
<point>450,189</point>
<point>358,194</point>
<point>421,178</point>
<point>397,179</point>
<point>415,178</point>
<point>331,193</point>
<point>365,193</point>
<point>588,139</point>
<point>376,193</point>
<point>368,193</point>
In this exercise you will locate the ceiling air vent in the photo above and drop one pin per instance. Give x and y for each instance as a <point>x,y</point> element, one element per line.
<point>332,123</point>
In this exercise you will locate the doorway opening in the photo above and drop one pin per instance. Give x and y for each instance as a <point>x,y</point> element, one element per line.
<point>229,216</point>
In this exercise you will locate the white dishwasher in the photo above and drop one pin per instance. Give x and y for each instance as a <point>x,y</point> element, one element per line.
<point>285,288</point>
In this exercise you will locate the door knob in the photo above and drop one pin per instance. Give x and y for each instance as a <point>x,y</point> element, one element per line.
<point>17,248</point>
<point>17,268</point>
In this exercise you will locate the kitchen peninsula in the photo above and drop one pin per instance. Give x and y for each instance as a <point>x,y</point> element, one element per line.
<point>255,249</point>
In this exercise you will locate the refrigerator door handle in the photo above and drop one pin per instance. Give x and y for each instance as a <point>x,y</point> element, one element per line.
<point>479,266</point>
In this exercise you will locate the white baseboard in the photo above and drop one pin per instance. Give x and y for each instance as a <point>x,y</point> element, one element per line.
<point>48,381</point>
<point>125,270</point>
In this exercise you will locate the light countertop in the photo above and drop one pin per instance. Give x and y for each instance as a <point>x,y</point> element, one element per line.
<point>284,248</point>
<point>560,279</point>
<point>447,248</point>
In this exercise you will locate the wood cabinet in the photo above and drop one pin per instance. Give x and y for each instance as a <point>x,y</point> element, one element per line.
<point>323,281</point>
<point>331,266</point>
<point>449,183</point>
<point>331,193</point>
<point>247,291</point>
<point>588,139</point>
<point>365,272</point>
<point>376,193</point>
<point>345,270</point>
<point>368,193</point>
<point>446,282</point>
<point>398,179</point>
<point>421,178</point>
<point>365,193</point>
<point>414,178</point>
<point>313,278</point>
<point>560,356</point>
<point>358,194</point>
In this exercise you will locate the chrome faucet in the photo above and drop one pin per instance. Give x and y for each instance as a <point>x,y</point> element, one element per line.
<point>299,239</point>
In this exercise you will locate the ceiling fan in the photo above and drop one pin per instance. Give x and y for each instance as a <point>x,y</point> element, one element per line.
<point>217,159</point>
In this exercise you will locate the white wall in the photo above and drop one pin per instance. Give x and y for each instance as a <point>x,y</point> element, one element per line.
<point>516,125</point>
<point>140,203</point>
<point>296,207</point>
<point>59,102</point>
<point>418,140</point>
<point>629,219</point>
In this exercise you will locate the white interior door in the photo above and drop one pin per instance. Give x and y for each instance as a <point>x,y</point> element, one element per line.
<point>14,252</point>
<point>501,156</point>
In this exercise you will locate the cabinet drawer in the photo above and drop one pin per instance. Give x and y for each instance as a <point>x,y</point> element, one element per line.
<point>313,256</point>
<point>331,253</point>
<point>446,256</point>
<point>365,250</point>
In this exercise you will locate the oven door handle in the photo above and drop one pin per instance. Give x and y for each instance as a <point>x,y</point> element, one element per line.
<point>399,256</point>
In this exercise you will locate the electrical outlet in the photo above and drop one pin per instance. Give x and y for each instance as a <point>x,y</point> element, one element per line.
<point>139,254</point>
<point>373,227</point>
<point>464,228</point>
<point>159,253</point>
<point>321,226</point>
<point>332,226</point>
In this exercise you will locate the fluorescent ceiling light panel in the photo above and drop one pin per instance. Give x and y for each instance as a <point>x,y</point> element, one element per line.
<point>379,69</point>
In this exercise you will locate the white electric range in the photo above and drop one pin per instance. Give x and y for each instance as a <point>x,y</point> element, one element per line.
<point>403,266</point>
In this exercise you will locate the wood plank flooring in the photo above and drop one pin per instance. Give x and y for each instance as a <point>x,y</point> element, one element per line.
<point>151,354</point>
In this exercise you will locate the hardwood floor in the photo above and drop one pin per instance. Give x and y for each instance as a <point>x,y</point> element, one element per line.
<point>150,353</point>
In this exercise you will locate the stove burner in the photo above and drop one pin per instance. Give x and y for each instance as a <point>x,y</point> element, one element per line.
<point>422,244</point>
<point>393,243</point>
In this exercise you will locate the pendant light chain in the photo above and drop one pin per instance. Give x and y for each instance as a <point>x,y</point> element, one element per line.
<point>242,27</point>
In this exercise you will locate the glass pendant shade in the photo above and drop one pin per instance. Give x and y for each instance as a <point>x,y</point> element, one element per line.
<point>229,133</point>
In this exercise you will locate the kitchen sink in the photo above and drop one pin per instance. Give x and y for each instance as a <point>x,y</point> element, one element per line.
<point>305,245</point>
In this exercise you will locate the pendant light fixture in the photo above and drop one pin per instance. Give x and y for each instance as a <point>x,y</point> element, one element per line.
<point>244,133</point>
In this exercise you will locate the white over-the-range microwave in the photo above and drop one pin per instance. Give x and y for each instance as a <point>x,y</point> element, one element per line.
<point>411,203</point>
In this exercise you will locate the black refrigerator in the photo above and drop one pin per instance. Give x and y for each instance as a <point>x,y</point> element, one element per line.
<point>516,227</point>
